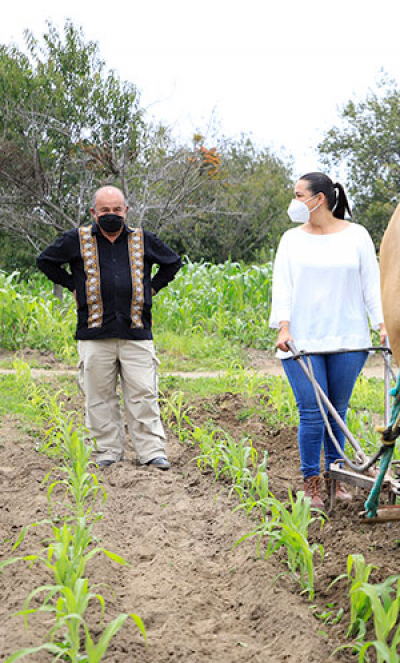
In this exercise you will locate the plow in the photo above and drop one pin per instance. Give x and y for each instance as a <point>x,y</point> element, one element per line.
<point>377,473</point>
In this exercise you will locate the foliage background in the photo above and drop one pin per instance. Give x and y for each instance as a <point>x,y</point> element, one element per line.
<point>69,125</point>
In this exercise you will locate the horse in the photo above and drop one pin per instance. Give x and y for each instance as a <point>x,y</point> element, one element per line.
<point>390,282</point>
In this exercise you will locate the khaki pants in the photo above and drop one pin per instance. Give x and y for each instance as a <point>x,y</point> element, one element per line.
<point>135,362</point>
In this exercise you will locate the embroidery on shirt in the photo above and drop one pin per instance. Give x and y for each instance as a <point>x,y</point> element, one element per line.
<point>136,253</point>
<point>91,266</point>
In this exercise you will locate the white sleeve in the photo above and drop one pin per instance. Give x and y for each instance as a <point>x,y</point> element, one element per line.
<point>370,281</point>
<point>281,305</point>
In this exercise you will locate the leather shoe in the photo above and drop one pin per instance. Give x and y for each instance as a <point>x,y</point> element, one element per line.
<point>105,463</point>
<point>312,489</point>
<point>160,462</point>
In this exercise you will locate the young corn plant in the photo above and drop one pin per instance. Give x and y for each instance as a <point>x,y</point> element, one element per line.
<point>238,460</point>
<point>67,554</point>
<point>69,551</point>
<point>330,615</point>
<point>66,558</point>
<point>364,430</point>
<point>258,494</point>
<point>44,409</point>
<point>241,381</point>
<point>287,527</point>
<point>82,487</point>
<point>210,444</point>
<point>175,412</point>
<point>70,609</point>
<point>280,398</point>
<point>386,613</point>
<point>358,573</point>
<point>256,498</point>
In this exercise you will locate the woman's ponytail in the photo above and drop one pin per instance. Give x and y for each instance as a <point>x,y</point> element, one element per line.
<point>342,204</point>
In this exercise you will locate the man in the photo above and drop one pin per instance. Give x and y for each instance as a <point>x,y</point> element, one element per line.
<point>111,278</point>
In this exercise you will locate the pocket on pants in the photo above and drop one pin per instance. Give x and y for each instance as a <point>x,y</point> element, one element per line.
<point>156,363</point>
<point>79,375</point>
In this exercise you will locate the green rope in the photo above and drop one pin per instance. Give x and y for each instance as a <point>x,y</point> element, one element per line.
<point>372,503</point>
<point>395,393</point>
<point>389,439</point>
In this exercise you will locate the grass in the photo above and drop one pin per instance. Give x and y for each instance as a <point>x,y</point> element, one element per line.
<point>9,403</point>
<point>196,351</point>
<point>6,363</point>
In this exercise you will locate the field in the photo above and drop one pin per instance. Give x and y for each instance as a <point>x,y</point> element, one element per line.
<point>205,592</point>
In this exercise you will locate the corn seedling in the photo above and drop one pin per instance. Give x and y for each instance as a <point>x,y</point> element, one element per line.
<point>280,397</point>
<point>238,458</point>
<point>210,444</point>
<point>66,557</point>
<point>364,430</point>
<point>385,610</point>
<point>287,527</point>
<point>81,486</point>
<point>175,411</point>
<point>258,494</point>
<point>68,552</point>
<point>257,497</point>
<point>70,608</point>
<point>45,409</point>
<point>330,615</point>
<point>358,573</point>
<point>237,461</point>
<point>244,382</point>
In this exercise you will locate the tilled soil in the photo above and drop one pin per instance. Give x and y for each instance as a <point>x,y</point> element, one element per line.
<point>202,600</point>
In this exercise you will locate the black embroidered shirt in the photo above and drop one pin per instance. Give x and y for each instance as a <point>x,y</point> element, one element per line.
<point>112,280</point>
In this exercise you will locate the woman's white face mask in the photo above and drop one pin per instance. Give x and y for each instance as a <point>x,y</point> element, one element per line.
<point>298,211</point>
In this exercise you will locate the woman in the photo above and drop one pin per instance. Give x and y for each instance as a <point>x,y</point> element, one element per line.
<point>326,285</point>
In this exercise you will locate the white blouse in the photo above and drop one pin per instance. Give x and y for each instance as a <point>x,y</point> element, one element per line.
<point>326,286</point>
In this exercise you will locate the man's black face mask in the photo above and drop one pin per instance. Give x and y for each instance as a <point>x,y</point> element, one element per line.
<point>110,223</point>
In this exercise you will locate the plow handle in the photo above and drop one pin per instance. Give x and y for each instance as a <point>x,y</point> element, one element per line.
<point>357,448</point>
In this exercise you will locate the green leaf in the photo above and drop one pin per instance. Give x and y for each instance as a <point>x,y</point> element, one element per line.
<point>115,558</point>
<point>54,649</point>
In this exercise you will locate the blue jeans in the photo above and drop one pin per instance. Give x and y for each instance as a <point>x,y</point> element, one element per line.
<point>336,374</point>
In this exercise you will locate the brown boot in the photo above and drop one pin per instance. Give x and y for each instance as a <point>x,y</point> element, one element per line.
<point>341,493</point>
<point>312,489</point>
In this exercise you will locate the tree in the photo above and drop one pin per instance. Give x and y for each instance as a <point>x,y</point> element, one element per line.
<point>167,182</point>
<point>66,127</point>
<point>240,212</point>
<point>369,146</point>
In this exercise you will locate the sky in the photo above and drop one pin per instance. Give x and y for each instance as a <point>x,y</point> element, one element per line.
<point>279,72</point>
